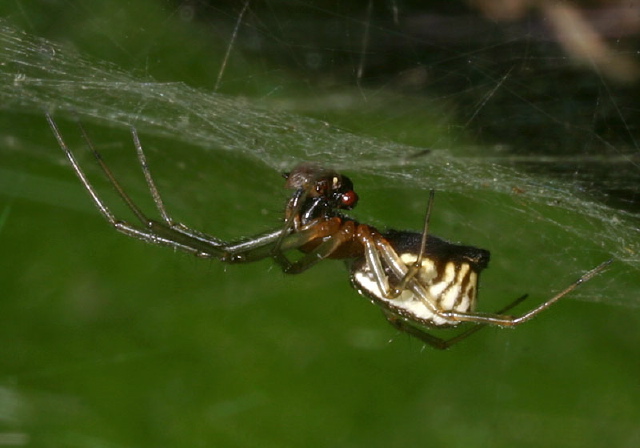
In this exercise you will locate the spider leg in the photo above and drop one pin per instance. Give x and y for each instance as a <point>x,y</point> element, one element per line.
<point>151,231</point>
<point>399,270</point>
<point>379,251</point>
<point>434,341</point>
<point>502,320</point>
<point>372,258</point>
<point>384,263</point>
<point>179,236</point>
<point>294,205</point>
<point>439,343</point>
<point>415,267</point>
<point>153,189</point>
<point>393,261</point>
<point>244,251</point>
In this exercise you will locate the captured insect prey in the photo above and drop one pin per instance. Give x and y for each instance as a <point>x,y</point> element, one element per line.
<point>420,282</point>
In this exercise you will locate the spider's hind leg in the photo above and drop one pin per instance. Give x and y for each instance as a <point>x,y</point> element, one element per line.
<point>433,341</point>
<point>502,320</point>
<point>439,343</point>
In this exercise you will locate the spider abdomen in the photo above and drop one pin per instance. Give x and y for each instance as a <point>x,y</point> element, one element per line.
<point>446,281</point>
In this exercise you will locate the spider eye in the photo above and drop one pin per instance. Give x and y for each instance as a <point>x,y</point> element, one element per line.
<point>349,199</point>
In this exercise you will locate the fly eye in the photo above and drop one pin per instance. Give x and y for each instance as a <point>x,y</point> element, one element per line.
<point>349,198</point>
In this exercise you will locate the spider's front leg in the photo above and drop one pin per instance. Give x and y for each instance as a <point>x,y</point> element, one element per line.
<point>328,232</point>
<point>166,232</point>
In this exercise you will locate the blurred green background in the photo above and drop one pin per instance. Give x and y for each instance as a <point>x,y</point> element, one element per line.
<point>108,342</point>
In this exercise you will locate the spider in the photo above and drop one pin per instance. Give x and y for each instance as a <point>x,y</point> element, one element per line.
<point>419,281</point>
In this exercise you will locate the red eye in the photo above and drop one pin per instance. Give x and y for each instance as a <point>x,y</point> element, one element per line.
<point>349,198</point>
